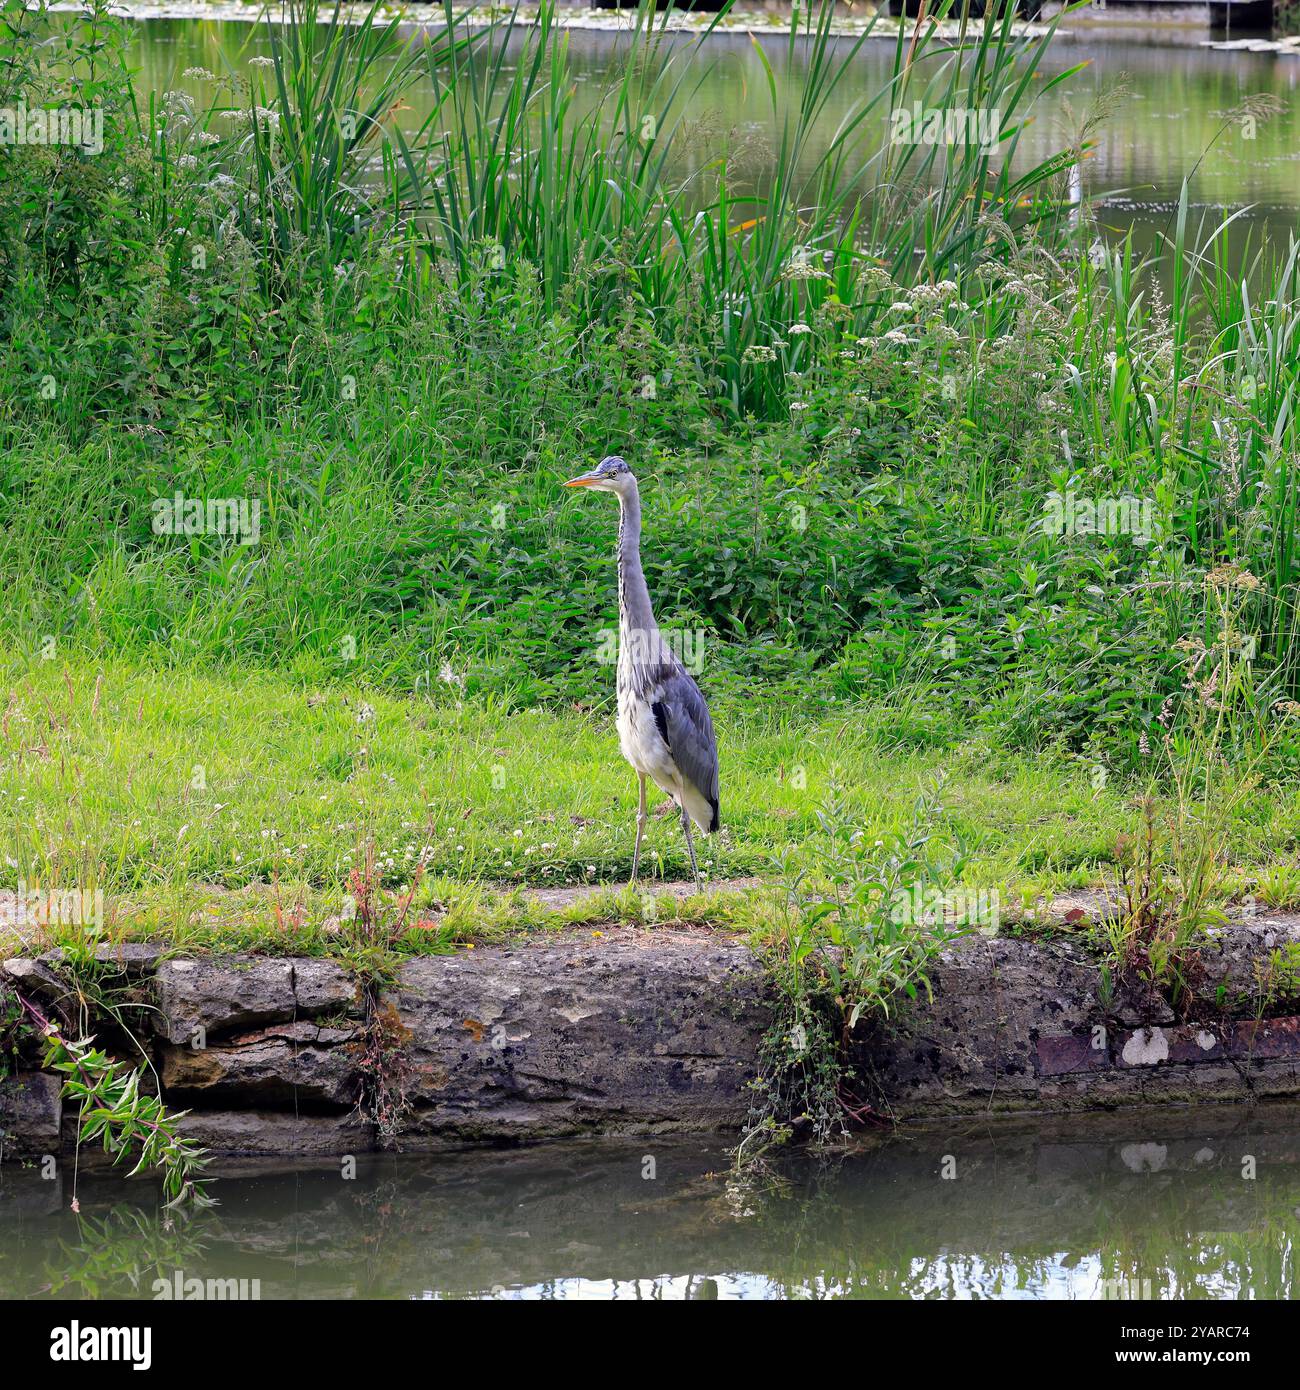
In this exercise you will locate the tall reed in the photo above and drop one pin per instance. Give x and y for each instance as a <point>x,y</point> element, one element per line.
<point>598,196</point>
<point>328,117</point>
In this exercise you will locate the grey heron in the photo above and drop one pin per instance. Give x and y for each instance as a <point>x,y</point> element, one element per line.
<point>664,727</point>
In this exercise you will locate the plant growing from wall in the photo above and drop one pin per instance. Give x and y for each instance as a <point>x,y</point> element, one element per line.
<point>1277,978</point>
<point>12,1027</point>
<point>381,1051</point>
<point>114,1110</point>
<point>858,936</point>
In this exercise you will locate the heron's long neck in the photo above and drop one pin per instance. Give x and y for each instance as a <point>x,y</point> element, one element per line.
<point>634,611</point>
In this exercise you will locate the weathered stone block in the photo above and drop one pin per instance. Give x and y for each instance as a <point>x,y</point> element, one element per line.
<point>34,976</point>
<point>31,1113</point>
<point>629,1035</point>
<point>285,1064</point>
<point>275,1132</point>
<point>1011,1027</point>
<point>321,986</point>
<point>238,992</point>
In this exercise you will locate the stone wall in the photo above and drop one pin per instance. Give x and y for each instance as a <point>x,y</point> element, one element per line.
<point>636,1032</point>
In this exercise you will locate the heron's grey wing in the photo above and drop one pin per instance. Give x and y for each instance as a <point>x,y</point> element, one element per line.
<point>683,719</point>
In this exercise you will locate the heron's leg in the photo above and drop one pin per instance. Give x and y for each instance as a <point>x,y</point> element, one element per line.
<point>641,819</point>
<point>686,826</point>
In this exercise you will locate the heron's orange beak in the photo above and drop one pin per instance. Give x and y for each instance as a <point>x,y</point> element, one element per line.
<point>587,480</point>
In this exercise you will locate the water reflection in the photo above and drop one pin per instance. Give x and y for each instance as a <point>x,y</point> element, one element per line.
<point>1099,1206</point>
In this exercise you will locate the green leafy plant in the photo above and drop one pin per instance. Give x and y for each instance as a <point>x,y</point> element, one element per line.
<point>860,932</point>
<point>113,1109</point>
<point>1279,886</point>
<point>874,915</point>
<point>1278,977</point>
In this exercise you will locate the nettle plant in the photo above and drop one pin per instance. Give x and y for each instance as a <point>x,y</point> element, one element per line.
<point>859,919</point>
<point>860,932</point>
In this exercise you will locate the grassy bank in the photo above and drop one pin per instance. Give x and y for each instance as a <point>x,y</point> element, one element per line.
<point>939,480</point>
<point>238,797</point>
<point>140,784</point>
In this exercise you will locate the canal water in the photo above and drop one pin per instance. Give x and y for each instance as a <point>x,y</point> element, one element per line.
<point>1171,111</point>
<point>1191,1204</point>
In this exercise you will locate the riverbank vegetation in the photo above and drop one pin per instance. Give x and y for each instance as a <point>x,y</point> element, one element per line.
<point>936,477</point>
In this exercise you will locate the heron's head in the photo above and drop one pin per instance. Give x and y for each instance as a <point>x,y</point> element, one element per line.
<point>610,475</point>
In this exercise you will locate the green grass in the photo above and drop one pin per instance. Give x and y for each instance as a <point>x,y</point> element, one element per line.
<point>845,453</point>
<point>846,449</point>
<point>230,808</point>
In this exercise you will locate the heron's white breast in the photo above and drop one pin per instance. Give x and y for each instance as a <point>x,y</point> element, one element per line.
<point>643,745</point>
